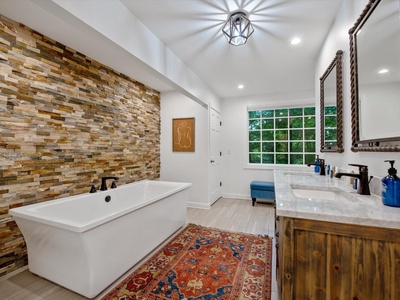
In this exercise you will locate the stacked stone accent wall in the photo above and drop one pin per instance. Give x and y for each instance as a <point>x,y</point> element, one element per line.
<point>66,120</point>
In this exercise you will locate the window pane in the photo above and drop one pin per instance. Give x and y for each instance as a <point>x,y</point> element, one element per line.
<point>309,158</point>
<point>254,124</point>
<point>255,158</point>
<point>281,113</point>
<point>267,135</point>
<point>285,136</point>
<point>267,124</point>
<point>281,147</point>
<point>282,159</point>
<point>296,135</point>
<point>309,134</point>
<point>308,111</point>
<point>309,122</point>
<point>295,111</point>
<point>296,122</point>
<point>254,147</point>
<point>254,136</point>
<point>268,147</point>
<point>267,113</point>
<point>268,159</point>
<point>281,123</point>
<point>281,135</point>
<point>296,159</point>
<point>254,114</point>
<point>309,147</point>
<point>330,110</point>
<point>296,146</point>
<point>330,121</point>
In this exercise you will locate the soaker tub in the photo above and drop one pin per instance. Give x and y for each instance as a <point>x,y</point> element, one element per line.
<point>86,242</point>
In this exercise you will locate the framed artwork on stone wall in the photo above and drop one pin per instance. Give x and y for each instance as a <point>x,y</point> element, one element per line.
<point>183,134</point>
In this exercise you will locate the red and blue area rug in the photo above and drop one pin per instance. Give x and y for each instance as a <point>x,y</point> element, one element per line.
<point>203,263</point>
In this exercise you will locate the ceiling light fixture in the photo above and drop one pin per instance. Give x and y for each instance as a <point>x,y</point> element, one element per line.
<point>237,29</point>
<point>295,41</point>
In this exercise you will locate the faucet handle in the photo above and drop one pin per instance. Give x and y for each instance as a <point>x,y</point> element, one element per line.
<point>93,189</point>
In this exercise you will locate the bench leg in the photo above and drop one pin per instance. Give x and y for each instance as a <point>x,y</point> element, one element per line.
<point>254,200</point>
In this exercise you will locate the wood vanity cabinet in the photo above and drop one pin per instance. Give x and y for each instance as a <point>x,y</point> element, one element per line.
<point>324,260</point>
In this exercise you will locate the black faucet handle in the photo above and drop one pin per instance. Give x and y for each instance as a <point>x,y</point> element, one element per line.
<point>93,189</point>
<point>360,167</point>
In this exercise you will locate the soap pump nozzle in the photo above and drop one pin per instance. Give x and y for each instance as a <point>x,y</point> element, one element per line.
<point>392,171</point>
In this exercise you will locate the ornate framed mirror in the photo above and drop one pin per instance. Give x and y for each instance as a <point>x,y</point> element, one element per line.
<point>331,104</point>
<point>375,77</point>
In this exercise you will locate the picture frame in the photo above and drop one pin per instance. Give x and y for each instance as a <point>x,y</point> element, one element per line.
<point>183,138</point>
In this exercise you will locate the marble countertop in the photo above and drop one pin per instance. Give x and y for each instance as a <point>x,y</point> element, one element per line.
<point>352,209</point>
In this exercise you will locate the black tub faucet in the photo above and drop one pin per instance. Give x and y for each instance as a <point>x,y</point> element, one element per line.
<point>363,187</point>
<point>104,182</point>
<point>321,166</point>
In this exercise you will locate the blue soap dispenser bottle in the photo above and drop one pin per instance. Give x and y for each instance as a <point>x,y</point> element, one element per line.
<point>391,187</point>
<point>317,163</point>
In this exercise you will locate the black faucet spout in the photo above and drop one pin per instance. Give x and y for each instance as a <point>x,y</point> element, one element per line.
<point>339,175</point>
<point>104,182</point>
<point>321,165</point>
<point>363,187</point>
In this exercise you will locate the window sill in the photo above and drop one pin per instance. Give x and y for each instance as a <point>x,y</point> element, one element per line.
<point>277,167</point>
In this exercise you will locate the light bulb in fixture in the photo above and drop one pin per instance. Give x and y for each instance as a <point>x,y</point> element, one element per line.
<point>240,86</point>
<point>383,71</point>
<point>295,41</point>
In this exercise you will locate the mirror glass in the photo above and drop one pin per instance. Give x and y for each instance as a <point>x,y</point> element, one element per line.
<point>375,77</point>
<point>331,98</point>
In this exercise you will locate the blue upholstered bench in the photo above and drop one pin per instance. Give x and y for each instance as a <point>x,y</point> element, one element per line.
<point>262,189</point>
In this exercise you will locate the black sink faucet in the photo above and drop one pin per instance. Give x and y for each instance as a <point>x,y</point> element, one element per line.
<point>104,180</point>
<point>321,165</point>
<point>363,187</point>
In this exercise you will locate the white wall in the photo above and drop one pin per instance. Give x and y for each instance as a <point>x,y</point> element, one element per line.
<point>338,39</point>
<point>236,174</point>
<point>185,166</point>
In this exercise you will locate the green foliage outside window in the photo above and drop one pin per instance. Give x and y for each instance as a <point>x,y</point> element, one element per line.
<point>285,136</point>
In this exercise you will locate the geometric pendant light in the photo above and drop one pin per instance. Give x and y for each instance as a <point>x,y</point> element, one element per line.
<point>237,29</point>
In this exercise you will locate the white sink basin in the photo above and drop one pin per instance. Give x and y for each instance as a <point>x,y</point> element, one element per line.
<point>318,194</point>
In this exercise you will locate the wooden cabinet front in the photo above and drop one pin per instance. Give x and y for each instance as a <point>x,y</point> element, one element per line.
<point>323,260</point>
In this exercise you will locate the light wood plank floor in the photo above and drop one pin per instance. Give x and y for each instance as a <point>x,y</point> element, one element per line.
<point>227,214</point>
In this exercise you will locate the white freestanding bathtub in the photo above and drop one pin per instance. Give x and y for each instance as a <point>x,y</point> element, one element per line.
<point>84,243</point>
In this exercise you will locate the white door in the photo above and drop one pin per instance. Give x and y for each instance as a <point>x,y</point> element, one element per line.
<point>215,156</point>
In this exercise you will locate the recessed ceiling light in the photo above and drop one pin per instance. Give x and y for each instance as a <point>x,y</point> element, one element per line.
<point>295,41</point>
<point>383,71</point>
<point>240,86</point>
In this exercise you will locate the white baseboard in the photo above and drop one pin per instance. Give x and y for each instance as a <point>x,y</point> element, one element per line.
<point>198,205</point>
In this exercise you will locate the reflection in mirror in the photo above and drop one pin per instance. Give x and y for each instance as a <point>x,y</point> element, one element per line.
<point>331,99</point>
<point>375,77</point>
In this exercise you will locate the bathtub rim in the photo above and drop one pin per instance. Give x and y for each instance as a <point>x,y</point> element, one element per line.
<point>29,211</point>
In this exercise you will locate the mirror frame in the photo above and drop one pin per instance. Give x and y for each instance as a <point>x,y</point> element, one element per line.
<point>336,64</point>
<point>356,144</point>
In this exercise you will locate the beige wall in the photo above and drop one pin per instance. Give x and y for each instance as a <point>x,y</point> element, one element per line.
<point>65,121</point>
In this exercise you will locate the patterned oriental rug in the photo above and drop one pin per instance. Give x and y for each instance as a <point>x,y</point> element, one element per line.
<point>203,263</point>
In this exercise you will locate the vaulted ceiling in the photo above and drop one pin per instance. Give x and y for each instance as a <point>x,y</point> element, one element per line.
<point>266,64</point>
